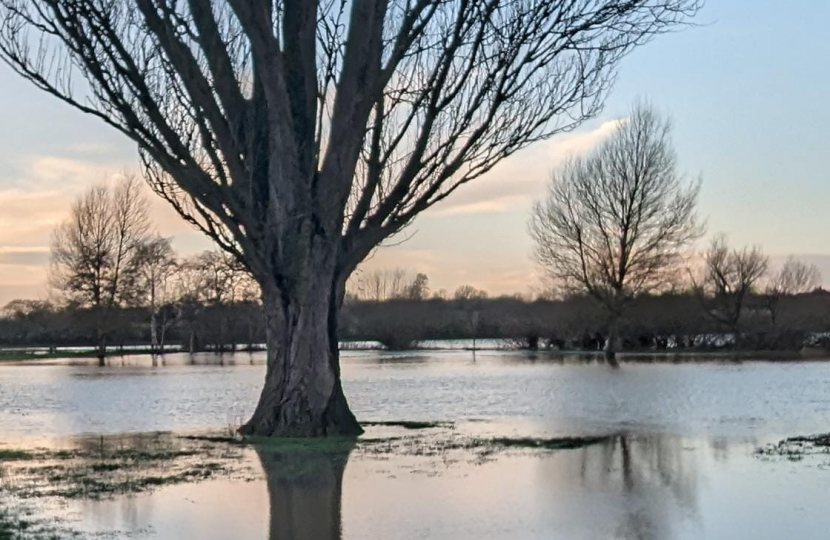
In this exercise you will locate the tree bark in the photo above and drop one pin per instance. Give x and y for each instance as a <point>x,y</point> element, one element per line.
<point>302,395</point>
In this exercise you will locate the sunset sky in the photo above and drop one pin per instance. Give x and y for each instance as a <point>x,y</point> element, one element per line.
<point>747,91</point>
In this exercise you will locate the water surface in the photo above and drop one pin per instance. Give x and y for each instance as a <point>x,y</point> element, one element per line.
<point>679,462</point>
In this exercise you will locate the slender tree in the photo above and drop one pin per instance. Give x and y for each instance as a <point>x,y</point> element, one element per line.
<point>156,263</point>
<point>95,252</point>
<point>616,223</point>
<point>299,134</point>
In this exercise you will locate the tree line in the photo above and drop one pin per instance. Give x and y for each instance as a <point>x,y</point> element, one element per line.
<point>204,302</point>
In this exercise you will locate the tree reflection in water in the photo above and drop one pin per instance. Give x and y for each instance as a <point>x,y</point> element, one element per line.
<point>305,489</point>
<point>652,475</point>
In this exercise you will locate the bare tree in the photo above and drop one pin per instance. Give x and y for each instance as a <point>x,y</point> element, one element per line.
<point>380,285</point>
<point>616,223</point>
<point>468,292</point>
<point>189,300</point>
<point>156,263</point>
<point>729,278</point>
<point>209,283</point>
<point>299,134</point>
<point>419,288</point>
<point>388,284</point>
<point>794,277</point>
<point>220,276</point>
<point>95,251</point>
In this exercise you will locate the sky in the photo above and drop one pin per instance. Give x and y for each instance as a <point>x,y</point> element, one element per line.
<point>746,90</point>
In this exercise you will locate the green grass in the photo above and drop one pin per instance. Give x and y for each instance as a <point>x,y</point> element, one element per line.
<point>408,424</point>
<point>815,440</point>
<point>11,454</point>
<point>561,443</point>
<point>290,445</point>
<point>14,526</point>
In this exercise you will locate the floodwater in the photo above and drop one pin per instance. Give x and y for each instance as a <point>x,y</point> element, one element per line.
<point>679,460</point>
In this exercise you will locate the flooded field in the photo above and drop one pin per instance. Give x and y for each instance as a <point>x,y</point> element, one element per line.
<point>663,450</point>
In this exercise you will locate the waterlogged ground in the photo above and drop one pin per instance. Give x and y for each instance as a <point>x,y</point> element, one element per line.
<point>509,445</point>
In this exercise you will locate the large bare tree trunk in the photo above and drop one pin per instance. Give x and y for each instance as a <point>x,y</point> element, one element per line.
<point>302,395</point>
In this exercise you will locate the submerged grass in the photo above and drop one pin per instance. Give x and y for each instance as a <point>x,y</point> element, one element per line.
<point>108,466</point>
<point>407,424</point>
<point>20,525</point>
<point>292,445</point>
<point>562,443</point>
<point>796,448</point>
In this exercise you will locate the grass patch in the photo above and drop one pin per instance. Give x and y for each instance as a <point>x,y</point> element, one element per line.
<point>562,443</point>
<point>795,448</point>
<point>11,526</point>
<point>19,525</point>
<point>411,424</point>
<point>291,445</point>
<point>822,441</point>
<point>213,439</point>
<point>10,454</point>
<point>106,466</point>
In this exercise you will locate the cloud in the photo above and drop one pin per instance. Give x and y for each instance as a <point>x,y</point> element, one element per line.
<point>33,201</point>
<point>24,256</point>
<point>91,148</point>
<point>500,204</point>
<point>517,180</point>
<point>68,173</point>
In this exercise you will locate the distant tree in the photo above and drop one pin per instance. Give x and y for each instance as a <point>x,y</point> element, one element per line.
<point>389,284</point>
<point>95,252</point>
<point>211,285</point>
<point>221,277</point>
<point>157,267</point>
<point>730,276</point>
<point>468,292</point>
<point>300,134</point>
<point>794,277</point>
<point>419,288</point>
<point>189,301</point>
<point>24,308</point>
<point>31,319</point>
<point>616,223</point>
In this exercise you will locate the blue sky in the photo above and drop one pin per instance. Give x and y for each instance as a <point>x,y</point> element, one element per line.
<point>747,90</point>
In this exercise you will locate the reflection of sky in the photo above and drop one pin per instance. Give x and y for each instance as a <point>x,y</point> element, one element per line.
<point>746,91</point>
<point>631,488</point>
